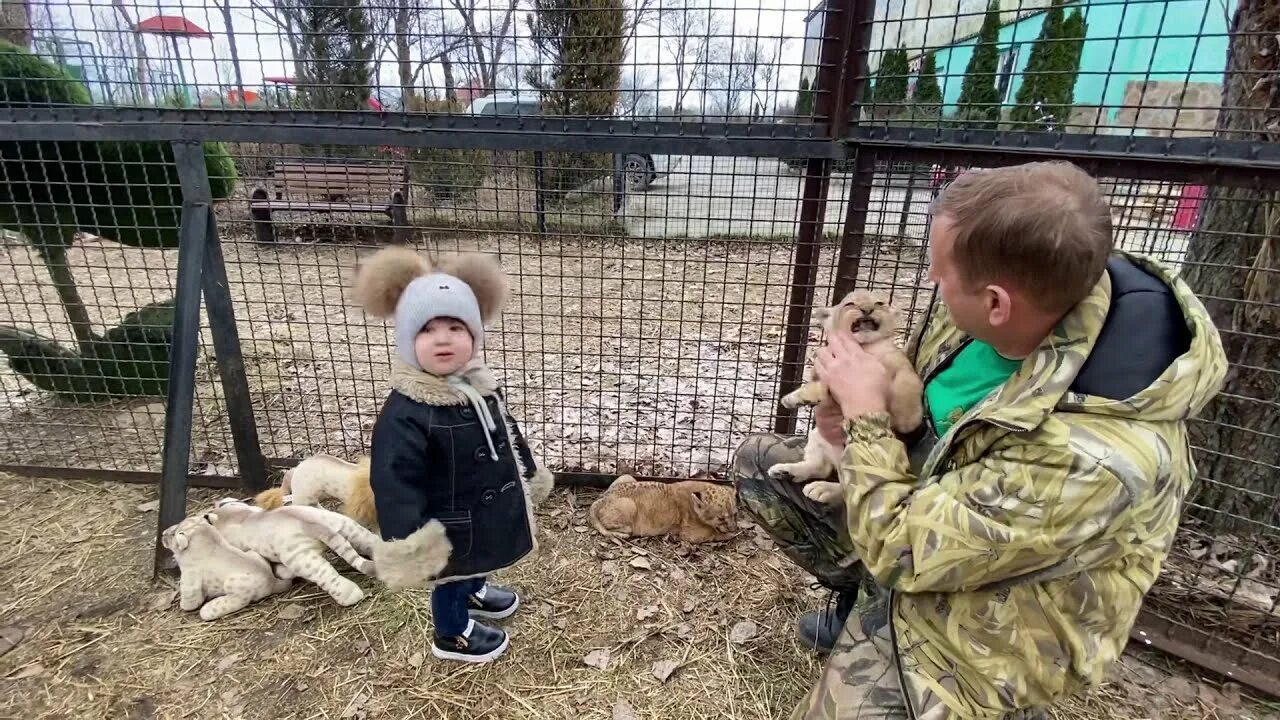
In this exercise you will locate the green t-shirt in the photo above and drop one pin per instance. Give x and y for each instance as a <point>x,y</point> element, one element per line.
<point>973,373</point>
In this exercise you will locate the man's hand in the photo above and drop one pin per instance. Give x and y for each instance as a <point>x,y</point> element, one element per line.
<point>829,419</point>
<point>856,380</point>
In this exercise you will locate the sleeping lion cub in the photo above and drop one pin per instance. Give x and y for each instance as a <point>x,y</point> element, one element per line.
<point>692,510</point>
<point>873,324</point>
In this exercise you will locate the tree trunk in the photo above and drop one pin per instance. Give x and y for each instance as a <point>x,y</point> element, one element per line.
<point>53,250</point>
<point>140,47</point>
<point>1233,264</point>
<point>450,92</point>
<point>235,51</point>
<point>404,62</point>
<point>15,22</point>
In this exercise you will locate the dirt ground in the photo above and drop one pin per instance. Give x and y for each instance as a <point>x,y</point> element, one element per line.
<point>649,629</point>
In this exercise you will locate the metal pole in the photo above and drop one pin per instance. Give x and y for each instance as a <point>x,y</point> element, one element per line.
<point>831,105</point>
<point>855,219</point>
<point>539,200</point>
<point>226,346</point>
<point>196,198</point>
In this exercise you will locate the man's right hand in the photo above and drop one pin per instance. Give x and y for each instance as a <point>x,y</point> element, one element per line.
<point>829,419</point>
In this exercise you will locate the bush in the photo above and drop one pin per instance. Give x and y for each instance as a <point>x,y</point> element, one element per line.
<point>979,103</point>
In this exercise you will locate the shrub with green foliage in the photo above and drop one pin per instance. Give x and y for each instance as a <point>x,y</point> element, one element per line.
<point>806,102</point>
<point>581,43</point>
<point>927,100</point>
<point>1063,96</point>
<point>979,103</point>
<point>1050,76</point>
<point>128,192</point>
<point>445,172</point>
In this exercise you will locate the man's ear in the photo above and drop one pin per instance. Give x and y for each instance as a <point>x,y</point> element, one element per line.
<point>999,305</point>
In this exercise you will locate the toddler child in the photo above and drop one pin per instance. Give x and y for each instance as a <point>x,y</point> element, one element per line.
<point>448,464</point>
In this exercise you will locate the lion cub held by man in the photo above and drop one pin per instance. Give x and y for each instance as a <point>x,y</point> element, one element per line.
<point>211,568</point>
<point>873,324</point>
<point>692,510</point>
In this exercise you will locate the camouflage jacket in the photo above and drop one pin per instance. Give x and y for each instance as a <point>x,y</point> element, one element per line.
<point>1017,563</point>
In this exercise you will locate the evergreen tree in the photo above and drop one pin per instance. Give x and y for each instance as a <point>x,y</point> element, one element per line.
<point>927,99</point>
<point>889,94</point>
<point>979,103</point>
<point>335,55</point>
<point>580,44</point>
<point>1035,77</point>
<point>804,100</point>
<point>1061,95</point>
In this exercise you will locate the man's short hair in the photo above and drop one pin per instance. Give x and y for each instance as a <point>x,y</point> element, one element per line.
<point>1042,227</point>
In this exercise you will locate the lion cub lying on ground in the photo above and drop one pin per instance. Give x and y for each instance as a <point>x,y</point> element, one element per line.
<point>692,510</point>
<point>212,569</point>
<point>873,324</point>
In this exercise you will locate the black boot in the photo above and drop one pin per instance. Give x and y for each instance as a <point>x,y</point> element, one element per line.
<point>479,644</point>
<point>494,602</point>
<point>819,629</point>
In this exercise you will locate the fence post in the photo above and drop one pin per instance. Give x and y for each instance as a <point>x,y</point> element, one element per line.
<point>619,182</point>
<point>855,219</point>
<point>832,104</point>
<point>226,347</point>
<point>196,199</point>
<point>539,199</point>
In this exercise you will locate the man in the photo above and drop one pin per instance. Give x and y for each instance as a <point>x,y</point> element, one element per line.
<point>1012,545</point>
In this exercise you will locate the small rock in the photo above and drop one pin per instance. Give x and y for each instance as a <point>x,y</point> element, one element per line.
<point>150,506</point>
<point>684,631</point>
<point>362,647</point>
<point>609,567</point>
<point>641,563</point>
<point>416,660</point>
<point>227,661</point>
<point>689,605</point>
<point>678,574</point>
<point>646,612</point>
<point>161,600</point>
<point>598,659</point>
<point>742,632</point>
<point>10,637</point>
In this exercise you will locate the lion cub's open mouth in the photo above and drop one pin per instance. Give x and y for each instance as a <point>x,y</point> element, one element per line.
<point>864,323</point>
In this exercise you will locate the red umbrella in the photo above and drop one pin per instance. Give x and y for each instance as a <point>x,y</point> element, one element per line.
<point>174,26</point>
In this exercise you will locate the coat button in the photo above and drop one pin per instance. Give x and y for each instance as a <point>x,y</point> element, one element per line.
<point>488,497</point>
<point>467,412</point>
<point>482,453</point>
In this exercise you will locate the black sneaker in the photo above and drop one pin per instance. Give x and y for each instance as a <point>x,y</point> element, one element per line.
<point>479,644</point>
<point>494,602</point>
<point>819,629</point>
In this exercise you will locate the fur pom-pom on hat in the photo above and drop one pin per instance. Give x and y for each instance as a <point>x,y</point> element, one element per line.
<point>401,284</point>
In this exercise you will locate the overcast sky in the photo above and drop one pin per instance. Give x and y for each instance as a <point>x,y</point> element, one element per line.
<point>264,52</point>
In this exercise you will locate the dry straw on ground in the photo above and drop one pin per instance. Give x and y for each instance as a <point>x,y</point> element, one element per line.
<point>648,629</point>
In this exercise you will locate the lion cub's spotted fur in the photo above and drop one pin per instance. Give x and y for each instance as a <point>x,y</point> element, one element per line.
<point>212,568</point>
<point>873,324</point>
<point>693,511</point>
<point>294,536</point>
<point>324,477</point>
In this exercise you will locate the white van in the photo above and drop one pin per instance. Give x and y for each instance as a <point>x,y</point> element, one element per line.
<point>641,169</point>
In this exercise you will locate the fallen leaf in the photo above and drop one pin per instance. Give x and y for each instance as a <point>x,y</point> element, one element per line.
<point>689,605</point>
<point>684,631</point>
<point>579,528</point>
<point>646,612</point>
<point>10,637</point>
<point>560,623</point>
<point>598,659</point>
<point>161,600</point>
<point>226,662</point>
<point>742,632</point>
<point>150,506</point>
<point>362,647</point>
<point>26,671</point>
<point>292,611</point>
<point>640,551</point>
<point>678,574</point>
<point>663,669</point>
<point>1181,689</point>
<point>622,710</point>
<point>416,659</point>
<point>641,563</point>
<point>609,567</point>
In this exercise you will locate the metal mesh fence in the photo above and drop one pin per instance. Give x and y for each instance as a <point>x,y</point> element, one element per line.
<point>669,188</point>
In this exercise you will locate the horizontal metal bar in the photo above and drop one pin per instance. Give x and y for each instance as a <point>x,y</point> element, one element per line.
<point>1205,160</point>
<point>1255,669</point>
<point>138,477</point>
<point>669,137</point>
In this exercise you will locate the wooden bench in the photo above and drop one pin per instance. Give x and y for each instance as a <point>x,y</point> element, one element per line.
<point>332,186</point>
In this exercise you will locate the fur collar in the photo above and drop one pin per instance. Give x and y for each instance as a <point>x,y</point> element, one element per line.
<point>435,390</point>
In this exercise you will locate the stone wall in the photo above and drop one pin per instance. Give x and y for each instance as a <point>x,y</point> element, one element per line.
<point>1170,108</point>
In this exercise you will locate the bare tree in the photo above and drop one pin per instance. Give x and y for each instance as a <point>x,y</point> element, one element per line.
<point>687,36</point>
<point>637,94</point>
<point>140,48</point>
<point>487,31</point>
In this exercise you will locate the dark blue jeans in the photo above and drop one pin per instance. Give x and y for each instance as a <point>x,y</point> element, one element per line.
<point>449,606</point>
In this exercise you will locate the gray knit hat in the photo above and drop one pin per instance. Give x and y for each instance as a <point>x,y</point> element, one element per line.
<point>429,297</point>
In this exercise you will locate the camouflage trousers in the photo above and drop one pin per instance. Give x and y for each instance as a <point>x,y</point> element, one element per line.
<point>861,680</point>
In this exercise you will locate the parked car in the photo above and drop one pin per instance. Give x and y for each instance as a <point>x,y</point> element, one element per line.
<point>639,169</point>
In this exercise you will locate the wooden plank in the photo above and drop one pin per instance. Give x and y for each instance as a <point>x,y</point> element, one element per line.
<point>308,205</point>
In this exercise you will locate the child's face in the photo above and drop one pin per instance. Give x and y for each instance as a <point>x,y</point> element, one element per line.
<point>443,346</point>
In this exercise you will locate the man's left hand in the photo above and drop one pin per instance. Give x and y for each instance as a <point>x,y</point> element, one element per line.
<point>854,378</point>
